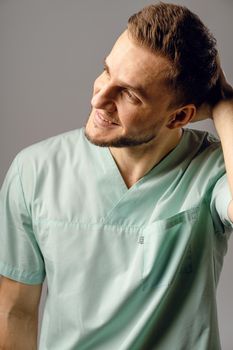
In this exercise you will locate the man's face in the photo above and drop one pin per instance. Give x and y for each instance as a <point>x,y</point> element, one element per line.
<point>130,103</point>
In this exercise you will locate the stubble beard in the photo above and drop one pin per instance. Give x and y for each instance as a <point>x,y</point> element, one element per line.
<point>120,141</point>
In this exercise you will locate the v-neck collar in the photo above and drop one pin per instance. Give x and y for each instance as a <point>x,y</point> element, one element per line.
<point>114,175</point>
<point>155,169</point>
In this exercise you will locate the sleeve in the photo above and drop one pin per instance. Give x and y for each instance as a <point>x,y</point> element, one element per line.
<point>20,255</point>
<point>220,200</point>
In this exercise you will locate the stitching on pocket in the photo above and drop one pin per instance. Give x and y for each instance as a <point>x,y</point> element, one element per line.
<point>187,215</point>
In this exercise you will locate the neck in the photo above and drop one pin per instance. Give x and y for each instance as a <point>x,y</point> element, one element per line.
<point>135,162</point>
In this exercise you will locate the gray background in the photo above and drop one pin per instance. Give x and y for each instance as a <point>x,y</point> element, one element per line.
<point>50,53</point>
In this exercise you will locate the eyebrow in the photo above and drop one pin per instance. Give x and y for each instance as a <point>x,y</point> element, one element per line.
<point>137,89</point>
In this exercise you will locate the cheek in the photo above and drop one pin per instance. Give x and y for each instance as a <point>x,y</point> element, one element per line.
<point>130,116</point>
<point>133,113</point>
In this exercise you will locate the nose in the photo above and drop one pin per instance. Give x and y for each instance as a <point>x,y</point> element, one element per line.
<point>103,98</point>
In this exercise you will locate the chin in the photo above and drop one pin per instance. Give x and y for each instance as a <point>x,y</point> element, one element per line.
<point>99,137</point>
<point>95,137</point>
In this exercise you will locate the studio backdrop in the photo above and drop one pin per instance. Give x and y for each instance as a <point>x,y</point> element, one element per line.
<point>51,52</point>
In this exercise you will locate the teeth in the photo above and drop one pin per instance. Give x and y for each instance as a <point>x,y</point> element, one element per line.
<point>105,120</point>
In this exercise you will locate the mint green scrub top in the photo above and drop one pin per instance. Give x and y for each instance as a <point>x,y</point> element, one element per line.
<point>127,269</point>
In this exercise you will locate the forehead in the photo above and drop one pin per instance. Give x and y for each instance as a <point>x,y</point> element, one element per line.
<point>135,64</point>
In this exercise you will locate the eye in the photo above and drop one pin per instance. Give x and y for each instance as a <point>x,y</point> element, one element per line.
<point>129,95</point>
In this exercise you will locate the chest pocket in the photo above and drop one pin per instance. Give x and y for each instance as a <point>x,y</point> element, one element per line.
<point>173,248</point>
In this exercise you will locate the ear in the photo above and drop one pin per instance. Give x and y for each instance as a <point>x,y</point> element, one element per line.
<point>182,116</point>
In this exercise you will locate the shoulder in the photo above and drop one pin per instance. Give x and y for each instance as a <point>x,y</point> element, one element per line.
<point>51,146</point>
<point>43,161</point>
<point>202,137</point>
<point>202,143</point>
<point>206,153</point>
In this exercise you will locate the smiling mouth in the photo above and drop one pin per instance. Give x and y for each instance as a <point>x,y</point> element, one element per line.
<point>106,120</point>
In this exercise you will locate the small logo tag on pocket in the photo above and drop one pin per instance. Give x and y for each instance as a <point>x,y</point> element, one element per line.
<point>141,240</point>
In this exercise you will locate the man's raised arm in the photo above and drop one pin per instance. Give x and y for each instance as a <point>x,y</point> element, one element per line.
<point>220,109</point>
<point>222,114</point>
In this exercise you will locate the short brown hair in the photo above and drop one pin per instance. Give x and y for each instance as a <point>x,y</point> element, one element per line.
<point>178,34</point>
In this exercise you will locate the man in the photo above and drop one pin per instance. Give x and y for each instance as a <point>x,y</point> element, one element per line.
<point>129,217</point>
